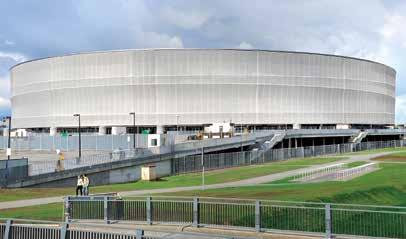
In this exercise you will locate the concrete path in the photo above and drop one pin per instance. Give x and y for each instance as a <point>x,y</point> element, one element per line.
<point>245,182</point>
<point>185,231</point>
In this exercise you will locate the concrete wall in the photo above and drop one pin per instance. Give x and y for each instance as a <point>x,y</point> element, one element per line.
<point>121,175</point>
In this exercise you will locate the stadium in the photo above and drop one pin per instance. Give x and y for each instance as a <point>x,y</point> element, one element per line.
<point>191,88</point>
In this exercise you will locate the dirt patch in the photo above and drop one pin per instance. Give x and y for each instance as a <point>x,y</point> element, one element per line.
<point>391,158</point>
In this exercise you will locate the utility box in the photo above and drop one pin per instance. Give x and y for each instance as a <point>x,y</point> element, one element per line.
<point>148,173</point>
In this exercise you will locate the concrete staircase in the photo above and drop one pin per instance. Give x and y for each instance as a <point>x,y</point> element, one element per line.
<point>359,137</point>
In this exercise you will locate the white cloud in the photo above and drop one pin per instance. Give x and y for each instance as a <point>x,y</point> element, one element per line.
<point>186,19</point>
<point>394,29</point>
<point>4,103</point>
<point>158,40</point>
<point>8,42</point>
<point>17,57</point>
<point>400,110</point>
<point>245,45</point>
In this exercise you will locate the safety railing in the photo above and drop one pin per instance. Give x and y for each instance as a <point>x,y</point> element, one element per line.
<point>353,172</point>
<point>312,174</point>
<point>194,163</point>
<point>34,229</point>
<point>258,215</point>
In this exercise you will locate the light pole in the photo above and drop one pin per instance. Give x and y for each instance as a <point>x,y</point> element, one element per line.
<point>177,124</point>
<point>8,118</point>
<point>202,166</point>
<point>80,142</point>
<point>8,145</point>
<point>133,114</point>
<point>242,148</point>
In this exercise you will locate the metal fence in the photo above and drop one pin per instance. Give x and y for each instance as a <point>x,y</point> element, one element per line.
<point>89,142</point>
<point>303,217</point>
<point>33,229</point>
<point>194,163</point>
<point>42,167</point>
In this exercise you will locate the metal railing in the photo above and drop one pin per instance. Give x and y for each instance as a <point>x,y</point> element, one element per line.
<point>43,167</point>
<point>39,229</point>
<point>258,215</point>
<point>312,174</point>
<point>34,229</point>
<point>193,163</point>
<point>353,172</point>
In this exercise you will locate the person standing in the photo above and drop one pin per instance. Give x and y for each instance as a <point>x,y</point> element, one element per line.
<point>79,186</point>
<point>59,164</point>
<point>85,185</point>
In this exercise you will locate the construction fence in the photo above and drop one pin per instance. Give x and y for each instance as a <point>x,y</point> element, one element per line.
<point>258,215</point>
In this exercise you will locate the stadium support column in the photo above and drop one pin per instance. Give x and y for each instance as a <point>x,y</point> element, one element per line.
<point>117,130</point>
<point>342,126</point>
<point>102,130</point>
<point>52,131</point>
<point>159,129</point>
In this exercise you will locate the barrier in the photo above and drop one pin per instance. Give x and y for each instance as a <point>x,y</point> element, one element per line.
<point>255,215</point>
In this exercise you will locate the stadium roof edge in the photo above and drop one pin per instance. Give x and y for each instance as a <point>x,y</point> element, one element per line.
<point>205,49</point>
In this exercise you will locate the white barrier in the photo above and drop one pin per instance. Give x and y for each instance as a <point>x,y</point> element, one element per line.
<point>319,172</point>
<point>355,172</point>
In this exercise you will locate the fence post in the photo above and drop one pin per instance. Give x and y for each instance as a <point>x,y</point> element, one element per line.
<point>106,211</point>
<point>64,230</point>
<point>67,209</point>
<point>328,220</point>
<point>7,232</point>
<point>196,212</point>
<point>139,234</point>
<point>258,215</point>
<point>149,211</point>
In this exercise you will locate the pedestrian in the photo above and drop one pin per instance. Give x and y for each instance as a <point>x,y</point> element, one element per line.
<point>59,164</point>
<point>79,186</point>
<point>85,185</point>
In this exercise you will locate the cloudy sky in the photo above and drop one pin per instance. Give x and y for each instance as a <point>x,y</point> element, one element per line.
<point>370,29</point>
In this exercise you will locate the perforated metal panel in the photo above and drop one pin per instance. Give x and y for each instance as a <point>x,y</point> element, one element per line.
<point>202,86</point>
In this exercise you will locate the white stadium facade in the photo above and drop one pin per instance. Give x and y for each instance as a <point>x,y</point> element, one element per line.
<point>196,87</point>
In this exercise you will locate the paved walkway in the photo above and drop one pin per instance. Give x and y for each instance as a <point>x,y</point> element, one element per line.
<point>245,182</point>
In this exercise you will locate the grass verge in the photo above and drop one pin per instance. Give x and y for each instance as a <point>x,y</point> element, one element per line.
<point>192,179</point>
<point>52,212</point>
<point>384,187</point>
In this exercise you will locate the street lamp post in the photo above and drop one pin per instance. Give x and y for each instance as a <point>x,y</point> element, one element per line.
<point>242,137</point>
<point>80,142</point>
<point>202,166</point>
<point>9,137</point>
<point>133,114</point>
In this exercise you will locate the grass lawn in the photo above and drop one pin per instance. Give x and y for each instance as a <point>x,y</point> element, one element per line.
<point>52,212</point>
<point>398,156</point>
<point>356,164</point>
<point>374,151</point>
<point>386,186</point>
<point>211,177</point>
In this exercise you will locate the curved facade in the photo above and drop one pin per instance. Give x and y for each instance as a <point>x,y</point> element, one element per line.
<point>202,86</point>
